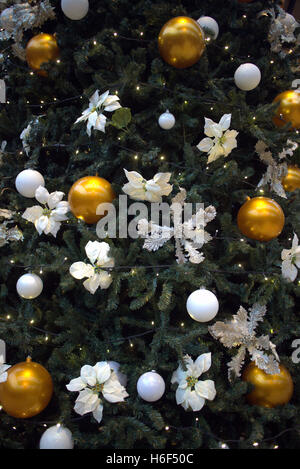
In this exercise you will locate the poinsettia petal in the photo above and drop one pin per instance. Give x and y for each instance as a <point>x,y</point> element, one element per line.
<point>203,364</point>
<point>92,284</point>
<point>41,223</point>
<point>134,177</point>
<point>289,271</point>
<point>86,402</point>
<point>42,195</point>
<point>206,389</point>
<point>103,372</point>
<point>98,413</point>
<point>102,98</point>
<point>88,375</point>
<point>105,280</point>
<point>54,199</point>
<point>225,122</point>
<point>195,402</point>
<point>81,270</point>
<point>52,227</point>
<point>76,384</point>
<point>205,145</point>
<point>33,213</point>
<point>94,99</point>
<point>92,250</point>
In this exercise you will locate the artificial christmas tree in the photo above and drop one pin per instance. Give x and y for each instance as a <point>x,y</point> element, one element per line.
<point>94,111</point>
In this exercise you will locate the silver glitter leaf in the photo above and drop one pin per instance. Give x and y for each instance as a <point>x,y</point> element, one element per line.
<point>240,332</point>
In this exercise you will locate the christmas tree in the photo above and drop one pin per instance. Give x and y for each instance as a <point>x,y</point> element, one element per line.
<point>111,100</point>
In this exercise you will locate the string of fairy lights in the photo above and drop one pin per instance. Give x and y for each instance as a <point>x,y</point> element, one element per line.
<point>223,444</point>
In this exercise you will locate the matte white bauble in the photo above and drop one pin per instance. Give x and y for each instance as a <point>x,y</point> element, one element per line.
<point>150,386</point>
<point>247,77</point>
<point>57,437</point>
<point>75,9</point>
<point>29,286</point>
<point>209,26</point>
<point>121,376</point>
<point>28,181</point>
<point>166,120</point>
<point>202,305</point>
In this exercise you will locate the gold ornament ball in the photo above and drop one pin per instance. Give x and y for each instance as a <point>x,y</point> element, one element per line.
<point>86,194</point>
<point>270,390</point>
<point>27,390</point>
<point>261,218</point>
<point>289,109</point>
<point>181,42</point>
<point>291,180</point>
<point>41,49</point>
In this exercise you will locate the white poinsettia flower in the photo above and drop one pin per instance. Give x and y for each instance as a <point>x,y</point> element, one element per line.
<point>97,253</point>
<point>3,370</point>
<point>47,219</point>
<point>93,114</point>
<point>139,189</point>
<point>94,384</point>
<point>220,140</point>
<point>191,392</point>
<point>291,260</point>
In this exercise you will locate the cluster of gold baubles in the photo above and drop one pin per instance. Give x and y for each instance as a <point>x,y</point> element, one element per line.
<point>27,390</point>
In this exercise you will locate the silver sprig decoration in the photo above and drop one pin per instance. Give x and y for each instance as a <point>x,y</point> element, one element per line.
<point>240,332</point>
<point>275,171</point>
<point>189,236</point>
<point>281,32</point>
<point>8,234</point>
<point>20,17</point>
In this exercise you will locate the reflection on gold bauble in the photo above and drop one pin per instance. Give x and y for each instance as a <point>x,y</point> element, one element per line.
<point>291,180</point>
<point>86,194</point>
<point>261,218</point>
<point>27,390</point>
<point>289,109</point>
<point>41,49</point>
<point>181,42</point>
<point>270,390</point>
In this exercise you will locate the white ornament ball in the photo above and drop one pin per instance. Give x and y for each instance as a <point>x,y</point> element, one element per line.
<point>202,305</point>
<point>57,437</point>
<point>75,9</point>
<point>247,77</point>
<point>209,26</point>
<point>121,376</point>
<point>29,286</point>
<point>28,181</point>
<point>166,120</point>
<point>150,386</point>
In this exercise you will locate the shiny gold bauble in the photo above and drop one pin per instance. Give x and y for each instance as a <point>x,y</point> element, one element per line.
<point>181,42</point>
<point>270,390</point>
<point>261,218</point>
<point>86,194</point>
<point>27,390</point>
<point>291,180</point>
<point>289,109</point>
<point>41,49</point>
